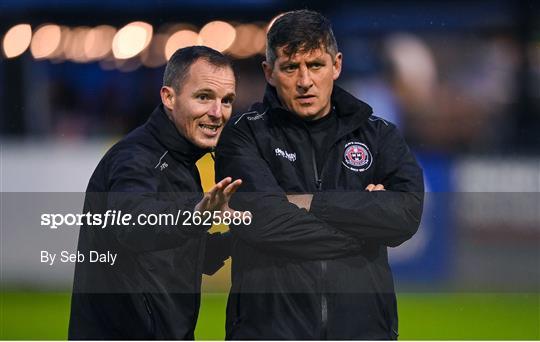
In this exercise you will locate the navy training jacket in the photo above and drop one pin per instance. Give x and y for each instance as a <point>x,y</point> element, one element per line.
<point>322,274</point>
<point>153,289</point>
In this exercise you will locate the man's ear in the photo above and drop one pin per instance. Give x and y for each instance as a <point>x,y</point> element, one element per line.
<point>268,72</point>
<point>338,61</point>
<point>167,97</point>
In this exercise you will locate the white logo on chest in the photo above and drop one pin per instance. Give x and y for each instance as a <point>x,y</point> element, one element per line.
<point>161,165</point>
<point>284,154</point>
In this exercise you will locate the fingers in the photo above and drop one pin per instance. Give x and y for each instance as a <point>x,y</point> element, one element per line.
<point>203,204</point>
<point>213,193</point>
<point>231,188</point>
<point>210,198</point>
<point>224,182</point>
<point>219,195</point>
<point>373,187</point>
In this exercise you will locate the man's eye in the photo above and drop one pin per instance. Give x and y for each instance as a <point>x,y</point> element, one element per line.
<point>227,101</point>
<point>290,68</point>
<point>316,66</point>
<point>203,97</point>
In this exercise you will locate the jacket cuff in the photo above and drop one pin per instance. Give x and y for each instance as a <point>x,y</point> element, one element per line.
<point>319,205</point>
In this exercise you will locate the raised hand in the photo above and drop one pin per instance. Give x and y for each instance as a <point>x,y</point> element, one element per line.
<point>217,199</point>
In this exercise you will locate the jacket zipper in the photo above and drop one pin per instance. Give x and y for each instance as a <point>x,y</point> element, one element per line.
<point>324,303</point>
<point>324,300</point>
<point>318,180</point>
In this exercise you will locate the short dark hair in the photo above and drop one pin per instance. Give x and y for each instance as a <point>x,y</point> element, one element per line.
<point>300,31</point>
<point>177,68</point>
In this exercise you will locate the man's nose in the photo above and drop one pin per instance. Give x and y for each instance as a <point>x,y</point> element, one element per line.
<point>304,81</point>
<point>216,110</point>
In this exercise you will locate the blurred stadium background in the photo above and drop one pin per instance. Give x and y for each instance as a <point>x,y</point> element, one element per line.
<point>460,78</point>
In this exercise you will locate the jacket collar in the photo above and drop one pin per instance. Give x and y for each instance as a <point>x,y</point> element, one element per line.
<point>351,111</point>
<point>163,129</point>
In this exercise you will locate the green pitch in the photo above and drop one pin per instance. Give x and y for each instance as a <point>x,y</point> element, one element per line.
<point>458,316</point>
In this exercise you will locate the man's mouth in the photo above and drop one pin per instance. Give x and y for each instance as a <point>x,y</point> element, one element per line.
<point>305,98</point>
<point>209,128</point>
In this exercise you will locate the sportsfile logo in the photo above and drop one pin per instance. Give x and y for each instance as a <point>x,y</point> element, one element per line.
<point>289,156</point>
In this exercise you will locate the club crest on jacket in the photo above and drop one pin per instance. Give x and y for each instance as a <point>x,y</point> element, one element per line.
<point>357,157</point>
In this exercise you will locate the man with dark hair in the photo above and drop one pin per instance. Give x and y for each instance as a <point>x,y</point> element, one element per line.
<point>330,187</point>
<point>152,288</point>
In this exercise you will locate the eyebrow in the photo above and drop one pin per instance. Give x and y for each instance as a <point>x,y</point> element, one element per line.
<point>208,90</point>
<point>203,90</point>
<point>292,63</point>
<point>288,62</point>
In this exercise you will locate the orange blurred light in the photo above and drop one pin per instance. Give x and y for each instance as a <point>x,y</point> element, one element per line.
<point>75,49</point>
<point>16,40</point>
<point>98,42</point>
<point>263,32</point>
<point>154,56</point>
<point>250,40</point>
<point>178,40</point>
<point>59,55</point>
<point>170,28</point>
<point>131,39</point>
<point>45,41</point>
<point>414,63</point>
<point>217,35</point>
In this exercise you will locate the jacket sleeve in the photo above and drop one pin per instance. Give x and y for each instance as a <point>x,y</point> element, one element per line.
<point>133,190</point>
<point>388,217</point>
<point>218,249</point>
<point>278,227</point>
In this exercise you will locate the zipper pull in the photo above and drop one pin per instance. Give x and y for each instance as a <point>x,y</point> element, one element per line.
<point>319,184</point>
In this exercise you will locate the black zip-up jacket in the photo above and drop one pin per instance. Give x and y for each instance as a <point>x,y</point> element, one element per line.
<point>153,289</point>
<point>322,274</point>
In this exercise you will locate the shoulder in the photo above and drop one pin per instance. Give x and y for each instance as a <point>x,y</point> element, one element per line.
<point>245,129</point>
<point>257,112</point>
<point>248,122</point>
<point>380,126</point>
<point>378,120</point>
<point>139,149</point>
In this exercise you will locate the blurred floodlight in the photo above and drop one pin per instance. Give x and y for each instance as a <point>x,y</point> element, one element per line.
<point>74,50</point>
<point>178,40</point>
<point>45,41</point>
<point>154,56</point>
<point>59,55</point>
<point>17,40</point>
<point>170,28</point>
<point>217,35</point>
<point>414,62</point>
<point>131,39</point>
<point>250,40</point>
<point>98,42</point>
<point>263,32</point>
